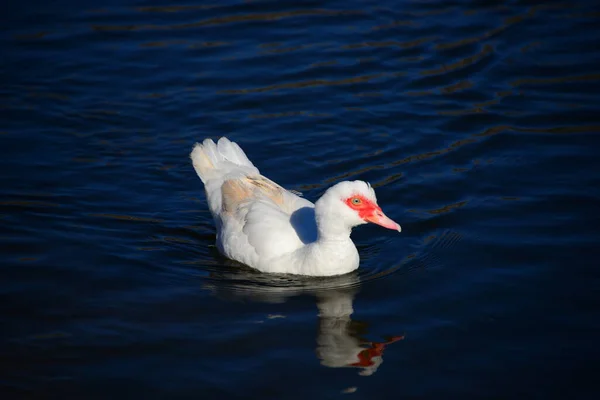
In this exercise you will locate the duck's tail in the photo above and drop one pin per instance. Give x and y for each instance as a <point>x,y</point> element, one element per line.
<point>217,160</point>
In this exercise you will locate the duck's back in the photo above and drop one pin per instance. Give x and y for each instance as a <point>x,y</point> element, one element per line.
<point>257,220</point>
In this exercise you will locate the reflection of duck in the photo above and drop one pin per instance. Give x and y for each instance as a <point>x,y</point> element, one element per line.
<point>339,342</point>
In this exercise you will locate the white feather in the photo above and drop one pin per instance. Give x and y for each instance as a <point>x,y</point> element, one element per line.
<point>272,229</point>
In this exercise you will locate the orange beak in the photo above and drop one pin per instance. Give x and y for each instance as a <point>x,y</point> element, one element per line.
<point>379,218</point>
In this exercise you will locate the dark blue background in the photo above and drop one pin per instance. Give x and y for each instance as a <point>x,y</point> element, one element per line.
<point>476,121</point>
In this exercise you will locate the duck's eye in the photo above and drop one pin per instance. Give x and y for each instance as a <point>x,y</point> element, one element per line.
<point>356,201</point>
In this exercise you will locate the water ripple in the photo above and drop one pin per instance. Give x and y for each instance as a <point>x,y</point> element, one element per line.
<point>476,122</point>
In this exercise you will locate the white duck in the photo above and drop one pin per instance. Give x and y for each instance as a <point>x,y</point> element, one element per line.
<point>274,230</point>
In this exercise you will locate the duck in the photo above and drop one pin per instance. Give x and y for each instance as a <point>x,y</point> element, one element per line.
<point>275,230</point>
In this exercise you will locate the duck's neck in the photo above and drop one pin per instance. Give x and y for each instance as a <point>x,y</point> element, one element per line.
<point>333,253</point>
<point>331,229</point>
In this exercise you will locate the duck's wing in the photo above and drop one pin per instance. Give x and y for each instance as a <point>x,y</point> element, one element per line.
<point>256,218</point>
<point>274,220</point>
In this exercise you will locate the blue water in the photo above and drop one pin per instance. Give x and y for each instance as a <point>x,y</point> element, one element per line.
<point>476,121</point>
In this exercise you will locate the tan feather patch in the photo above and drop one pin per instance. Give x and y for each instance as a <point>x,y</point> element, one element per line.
<point>238,191</point>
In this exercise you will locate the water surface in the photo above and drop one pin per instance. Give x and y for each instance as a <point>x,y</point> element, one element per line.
<point>476,122</point>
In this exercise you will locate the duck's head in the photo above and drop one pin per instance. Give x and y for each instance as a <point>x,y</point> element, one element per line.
<point>352,203</point>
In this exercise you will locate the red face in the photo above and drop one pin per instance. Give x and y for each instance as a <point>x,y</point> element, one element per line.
<point>369,211</point>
